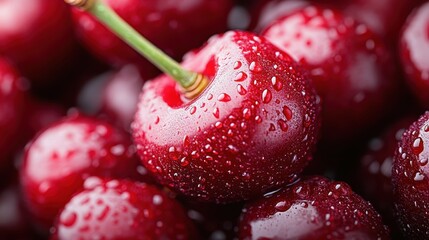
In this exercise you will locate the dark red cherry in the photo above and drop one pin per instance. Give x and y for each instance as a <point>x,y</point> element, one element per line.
<point>38,36</point>
<point>410,178</point>
<point>252,129</point>
<point>120,96</point>
<point>374,176</point>
<point>13,98</point>
<point>414,51</point>
<point>351,69</point>
<point>314,208</point>
<point>120,209</point>
<point>175,28</point>
<point>61,157</point>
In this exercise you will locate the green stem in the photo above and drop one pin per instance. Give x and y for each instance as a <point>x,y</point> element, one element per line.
<point>124,31</point>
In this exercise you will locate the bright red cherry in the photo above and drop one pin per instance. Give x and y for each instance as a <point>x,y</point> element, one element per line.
<point>38,36</point>
<point>120,96</point>
<point>120,209</point>
<point>252,129</point>
<point>410,178</point>
<point>61,157</point>
<point>175,28</point>
<point>414,50</point>
<point>12,108</point>
<point>352,70</point>
<point>314,208</point>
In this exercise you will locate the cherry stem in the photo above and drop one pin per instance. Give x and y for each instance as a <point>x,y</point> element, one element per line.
<point>129,35</point>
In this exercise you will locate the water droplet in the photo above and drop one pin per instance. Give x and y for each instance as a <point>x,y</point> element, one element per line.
<point>423,161</point>
<point>426,129</point>
<point>241,90</point>
<point>208,148</point>
<point>419,176</point>
<point>193,110</point>
<point>246,113</point>
<point>156,120</point>
<point>68,219</point>
<point>282,206</point>
<point>184,162</point>
<point>283,125</point>
<point>258,119</point>
<point>209,96</point>
<point>266,96</point>
<point>224,97</point>
<point>241,76</point>
<point>255,67</point>
<point>237,65</point>
<point>307,120</point>
<point>272,127</point>
<point>216,112</point>
<point>218,125</point>
<point>418,146</point>
<point>277,85</point>
<point>287,112</point>
<point>103,213</point>
<point>186,141</point>
<point>173,154</point>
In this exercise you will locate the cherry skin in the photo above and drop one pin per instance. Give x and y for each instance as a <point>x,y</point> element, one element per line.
<point>314,208</point>
<point>29,32</point>
<point>120,96</point>
<point>62,156</point>
<point>414,51</point>
<point>374,176</point>
<point>175,28</point>
<point>13,97</point>
<point>351,69</point>
<point>410,180</point>
<point>120,209</point>
<point>252,129</point>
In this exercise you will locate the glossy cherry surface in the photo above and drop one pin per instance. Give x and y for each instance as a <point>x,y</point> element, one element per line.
<point>414,50</point>
<point>12,108</point>
<point>410,178</point>
<point>120,209</point>
<point>252,129</point>
<point>30,30</point>
<point>61,157</point>
<point>314,208</point>
<point>351,69</point>
<point>175,28</point>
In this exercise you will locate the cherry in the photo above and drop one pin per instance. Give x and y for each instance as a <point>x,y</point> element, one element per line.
<point>414,49</point>
<point>120,96</point>
<point>62,156</point>
<point>29,31</point>
<point>314,208</point>
<point>120,209</point>
<point>374,176</point>
<point>13,97</point>
<point>410,180</point>
<point>243,121</point>
<point>175,28</point>
<point>352,70</point>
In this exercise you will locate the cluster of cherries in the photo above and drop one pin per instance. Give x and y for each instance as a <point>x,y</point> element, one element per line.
<point>238,141</point>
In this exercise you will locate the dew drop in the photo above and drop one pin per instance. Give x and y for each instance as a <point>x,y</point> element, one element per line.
<point>216,112</point>
<point>195,154</point>
<point>224,97</point>
<point>233,149</point>
<point>193,110</point>
<point>208,148</point>
<point>173,154</point>
<point>186,141</point>
<point>184,162</point>
<point>218,125</point>
<point>419,177</point>
<point>423,161</point>
<point>246,113</point>
<point>241,76</point>
<point>283,125</point>
<point>272,127</point>
<point>282,206</point>
<point>237,65</point>
<point>426,129</point>
<point>258,119</point>
<point>241,90</point>
<point>418,146</point>
<point>156,120</point>
<point>287,112</point>
<point>68,219</point>
<point>209,96</point>
<point>266,96</point>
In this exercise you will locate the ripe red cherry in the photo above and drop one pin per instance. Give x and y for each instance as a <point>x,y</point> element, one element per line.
<point>414,50</point>
<point>352,70</point>
<point>252,129</point>
<point>175,28</point>
<point>410,180</point>
<point>314,208</point>
<point>120,209</point>
<point>374,176</point>
<point>62,156</point>
<point>29,32</point>
<point>12,109</point>
<point>120,96</point>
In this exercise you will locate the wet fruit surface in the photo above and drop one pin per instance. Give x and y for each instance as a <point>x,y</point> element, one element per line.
<point>119,209</point>
<point>414,50</point>
<point>410,180</point>
<point>252,129</point>
<point>315,208</point>
<point>62,156</point>
<point>351,69</point>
